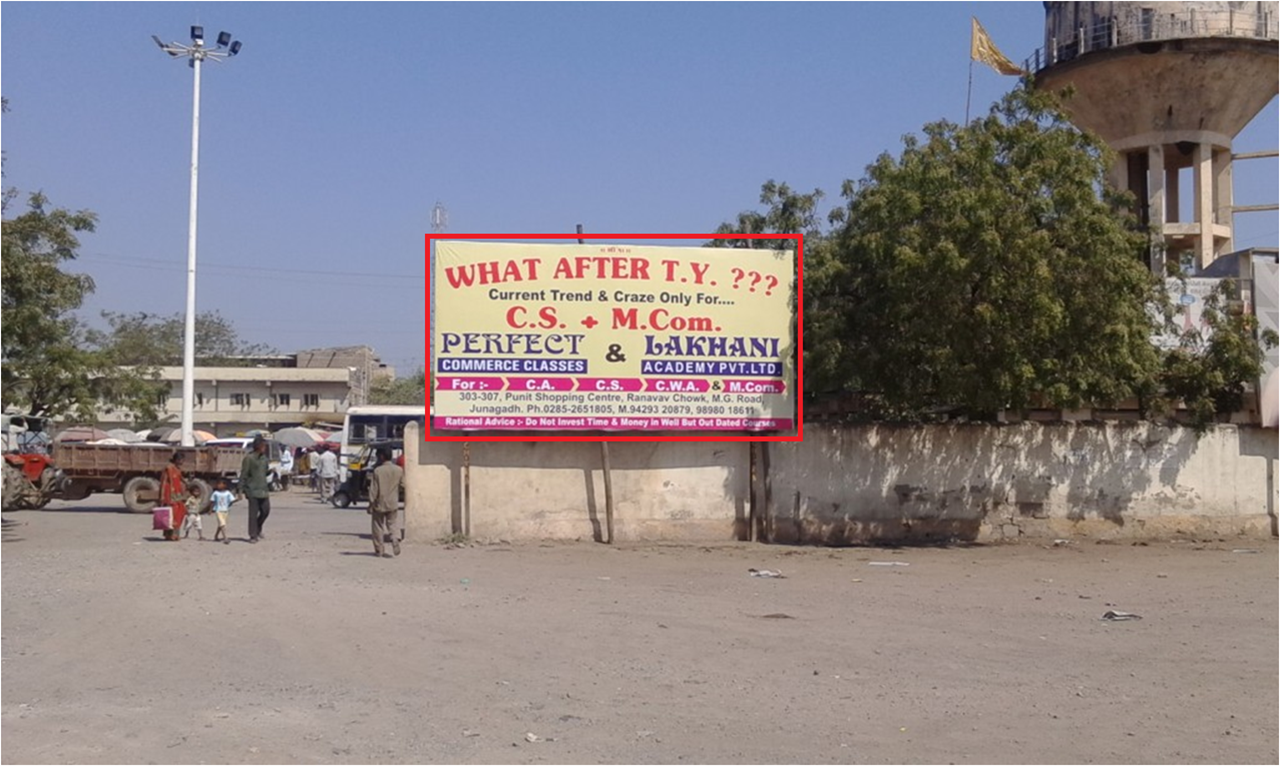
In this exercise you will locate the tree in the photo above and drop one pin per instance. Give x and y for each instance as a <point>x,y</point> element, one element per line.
<point>789,212</point>
<point>1207,372</point>
<point>409,390</point>
<point>989,267</point>
<point>48,365</point>
<point>143,339</point>
<point>982,270</point>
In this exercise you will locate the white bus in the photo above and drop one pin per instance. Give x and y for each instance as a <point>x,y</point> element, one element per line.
<point>371,423</point>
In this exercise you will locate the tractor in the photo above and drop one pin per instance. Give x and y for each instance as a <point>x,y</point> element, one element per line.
<point>30,480</point>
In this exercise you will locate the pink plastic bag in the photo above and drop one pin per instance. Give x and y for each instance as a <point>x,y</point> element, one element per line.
<point>162,519</point>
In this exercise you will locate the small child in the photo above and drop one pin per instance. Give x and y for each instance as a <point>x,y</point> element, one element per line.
<point>222,500</point>
<point>192,520</point>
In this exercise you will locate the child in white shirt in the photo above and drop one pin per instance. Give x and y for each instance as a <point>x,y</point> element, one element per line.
<point>192,520</point>
<point>222,500</point>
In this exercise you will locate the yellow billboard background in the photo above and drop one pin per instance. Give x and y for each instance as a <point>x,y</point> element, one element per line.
<point>642,337</point>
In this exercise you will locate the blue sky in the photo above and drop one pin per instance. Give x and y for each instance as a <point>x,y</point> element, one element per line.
<point>326,143</point>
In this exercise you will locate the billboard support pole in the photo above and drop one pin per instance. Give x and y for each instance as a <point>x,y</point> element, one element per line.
<point>466,490</point>
<point>606,464</point>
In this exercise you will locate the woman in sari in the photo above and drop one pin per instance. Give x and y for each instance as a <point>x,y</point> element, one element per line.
<point>173,494</point>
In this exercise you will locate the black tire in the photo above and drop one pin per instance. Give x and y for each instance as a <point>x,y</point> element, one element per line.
<point>341,500</point>
<point>13,487</point>
<point>48,484</point>
<point>203,493</point>
<point>76,492</point>
<point>141,494</point>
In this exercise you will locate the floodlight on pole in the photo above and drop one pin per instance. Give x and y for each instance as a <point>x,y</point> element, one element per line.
<point>196,54</point>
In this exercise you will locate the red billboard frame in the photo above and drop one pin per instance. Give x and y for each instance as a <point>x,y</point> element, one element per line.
<point>605,436</point>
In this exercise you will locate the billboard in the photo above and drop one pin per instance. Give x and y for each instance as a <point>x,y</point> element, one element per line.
<point>1188,296</point>
<point>565,337</point>
<point>1266,278</point>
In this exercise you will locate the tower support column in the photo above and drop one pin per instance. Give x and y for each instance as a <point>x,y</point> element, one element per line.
<point>1222,195</point>
<point>1156,206</point>
<point>1204,203</point>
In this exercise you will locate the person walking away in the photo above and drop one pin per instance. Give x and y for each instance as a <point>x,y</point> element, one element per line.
<point>328,473</point>
<point>286,466</point>
<point>316,453</point>
<point>313,468</point>
<point>222,500</point>
<point>173,494</point>
<point>384,502</point>
<point>254,486</point>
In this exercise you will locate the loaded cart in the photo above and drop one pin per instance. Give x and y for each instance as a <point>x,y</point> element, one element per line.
<point>134,471</point>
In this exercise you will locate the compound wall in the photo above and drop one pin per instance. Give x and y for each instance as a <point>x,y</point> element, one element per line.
<point>987,482</point>
<point>858,484</point>
<point>661,491</point>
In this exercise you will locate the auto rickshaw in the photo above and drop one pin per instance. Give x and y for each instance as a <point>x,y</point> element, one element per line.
<point>356,487</point>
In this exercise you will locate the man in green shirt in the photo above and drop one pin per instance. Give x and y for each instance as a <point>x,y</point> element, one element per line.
<point>253,485</point>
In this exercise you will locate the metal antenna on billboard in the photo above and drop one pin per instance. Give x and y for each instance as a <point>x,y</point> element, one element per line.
<point>439,217</point>
<point>605,463</point>
<point>439,223</point>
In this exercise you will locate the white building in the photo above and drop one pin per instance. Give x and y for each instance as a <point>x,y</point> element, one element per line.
<point>229,400</point>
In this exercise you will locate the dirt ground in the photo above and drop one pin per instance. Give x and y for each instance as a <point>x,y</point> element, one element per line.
<point>120,648</point>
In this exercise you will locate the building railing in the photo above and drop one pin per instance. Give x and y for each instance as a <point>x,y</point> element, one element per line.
<point>1149,25</point>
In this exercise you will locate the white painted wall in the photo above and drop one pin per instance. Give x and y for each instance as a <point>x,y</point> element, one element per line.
<point>859,484</point>
<point>984,482</point>
<point>528,490</point>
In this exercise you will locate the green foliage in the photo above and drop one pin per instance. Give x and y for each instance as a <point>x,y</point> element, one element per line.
<point>48,365</point>
<point>1207,372</point>
<point>143,339</point>
<point>409,390</point>
<point>787,212</point>
<point>989,267</point>
<point>981,270</point>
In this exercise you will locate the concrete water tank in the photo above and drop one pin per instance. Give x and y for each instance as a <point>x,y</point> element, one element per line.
<point>1168,86</point>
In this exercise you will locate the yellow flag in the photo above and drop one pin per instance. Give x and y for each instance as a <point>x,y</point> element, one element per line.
<point>982,49</point>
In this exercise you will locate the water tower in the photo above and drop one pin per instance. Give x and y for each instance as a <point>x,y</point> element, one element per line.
<point>1167,86</point>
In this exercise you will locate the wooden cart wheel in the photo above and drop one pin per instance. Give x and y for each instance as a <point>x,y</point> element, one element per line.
<point>141,494</point>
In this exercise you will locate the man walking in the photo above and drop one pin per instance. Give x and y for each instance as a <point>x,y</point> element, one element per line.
<point>384,502</point>
<point>328,473</point>
<point>254,486</point>
<point>285,469</point>
<point>313,469</point>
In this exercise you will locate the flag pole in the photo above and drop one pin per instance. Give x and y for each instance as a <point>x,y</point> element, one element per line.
<point>969,94</point>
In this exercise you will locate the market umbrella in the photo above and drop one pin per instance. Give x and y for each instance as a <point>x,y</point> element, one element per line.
<point>337,438</point>
<point>80,435</point>
<point>124,435</point>
<point>298,437</point>
<point>174,435</point>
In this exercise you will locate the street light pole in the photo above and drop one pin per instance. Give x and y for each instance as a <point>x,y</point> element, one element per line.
<point>196,53</point>
<point>189,330</point>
